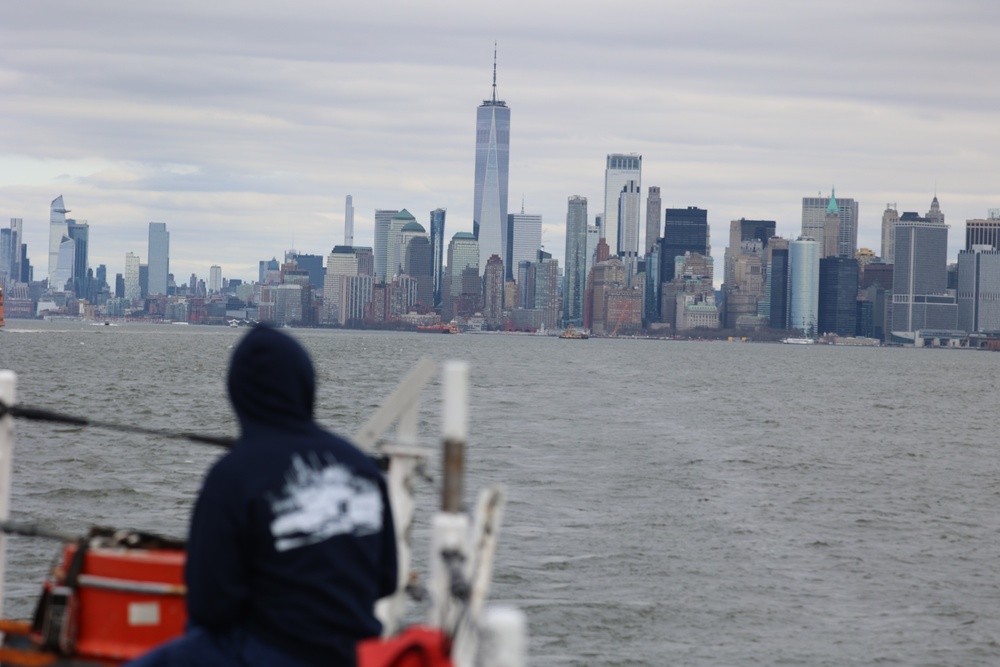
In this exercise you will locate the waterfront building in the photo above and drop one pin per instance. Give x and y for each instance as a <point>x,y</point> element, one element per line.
<point>838,296</point>
<point>777,286</point>
<point>920,298</point>
<point>983,232</point>
<point>651,312</point>
<point>493,289</point>
<point>740,231</point>
<point>287,304</point>
<point>576,260</point>
<point>621,168</point>
<point>654,208</point>
<point>57,230</point>
<point>524,239</point>
<point>463,259</point>
<point>132,291</point>
<point>684,230</point>
<point>814,221</point>
<point>978,293</point>
<point>803,311</point>
<point>418,266</point>
<point>383,218</point>
<point>158,258</point>
<point>889,219</point>
<point>745,286</point>
<point>342,263</point>
<point>605,277</point>
<point>489,203</point>
<point>437,251</point>
<point>546,297</point>
<point>691,286</point>
<point>349,221</point>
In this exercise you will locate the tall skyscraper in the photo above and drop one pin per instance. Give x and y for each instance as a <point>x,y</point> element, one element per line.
<point>158,257</point>
<point>383,218</point>
<point>524,240</point>
<point>684,230</point>
<point>889,219</point>
<point>343,263</point>
<point>401,229</point>
<point>838,296</point>
<point>654,209</point>
<point>5,255</point>
<point>349,221</point>
<point>489,203</point>
<point>215,279</point>
<point>493,282</point>
<point>777,283</point>
<point>57,230</point>
<point>576,260</point>
<point>620,169</point>
<point>16,243</point>
<point>463,274</point>
<point>920,298</point>
<point>79,233</point>
<point>814,221</point>
<point>418,264</point>
<point>831,231</point>
<point>437,250</point>
<point>803,257</point>
<point>132,289</point>
<point>979,289</point>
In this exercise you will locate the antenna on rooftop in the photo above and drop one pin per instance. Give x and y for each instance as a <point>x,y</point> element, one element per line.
<point>494,72</point>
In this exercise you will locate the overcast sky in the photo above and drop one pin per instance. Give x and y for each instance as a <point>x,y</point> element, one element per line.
<point>244,124</point>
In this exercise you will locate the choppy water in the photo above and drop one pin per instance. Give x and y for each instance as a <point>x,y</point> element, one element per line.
<point>669,503</point>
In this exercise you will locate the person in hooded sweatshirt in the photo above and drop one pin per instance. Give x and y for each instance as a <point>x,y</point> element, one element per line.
<point>292,540</point>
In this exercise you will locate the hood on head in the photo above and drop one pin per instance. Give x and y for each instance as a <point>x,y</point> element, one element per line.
<point>271,379</point>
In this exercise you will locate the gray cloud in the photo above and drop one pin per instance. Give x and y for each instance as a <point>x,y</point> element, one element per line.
<point>243,124</point>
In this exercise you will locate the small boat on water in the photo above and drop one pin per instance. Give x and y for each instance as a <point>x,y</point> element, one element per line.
<point>573,334</point>
<point>798,341</point>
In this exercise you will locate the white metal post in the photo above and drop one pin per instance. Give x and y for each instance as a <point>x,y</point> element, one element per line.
<point>8,394</point>
<point>504,640</point>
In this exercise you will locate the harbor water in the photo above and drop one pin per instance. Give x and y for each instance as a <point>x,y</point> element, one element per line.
<point>681,503</point>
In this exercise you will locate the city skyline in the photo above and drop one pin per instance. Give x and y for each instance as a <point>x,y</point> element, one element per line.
<point>247,141</point>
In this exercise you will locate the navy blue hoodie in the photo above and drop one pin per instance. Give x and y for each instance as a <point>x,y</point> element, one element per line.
<point>292,537</point>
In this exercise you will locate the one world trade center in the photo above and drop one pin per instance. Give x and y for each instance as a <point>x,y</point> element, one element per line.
<point>489,213</point>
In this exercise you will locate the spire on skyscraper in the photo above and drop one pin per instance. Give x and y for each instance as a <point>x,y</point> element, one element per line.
<point>494,72</point>
<point>832,206</point>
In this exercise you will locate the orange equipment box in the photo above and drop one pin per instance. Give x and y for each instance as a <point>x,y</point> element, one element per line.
<point>128,600</point>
